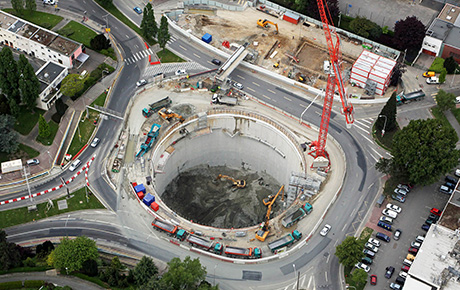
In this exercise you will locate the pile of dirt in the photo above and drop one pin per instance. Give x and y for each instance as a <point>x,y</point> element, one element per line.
<point>196,195</point>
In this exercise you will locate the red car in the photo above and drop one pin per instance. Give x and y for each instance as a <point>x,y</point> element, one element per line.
<point>436,211</point>
<point>373,279</point>
<point>405,268</point>
<point>413,250</point>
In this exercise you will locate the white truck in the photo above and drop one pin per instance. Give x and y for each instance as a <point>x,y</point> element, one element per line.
<point>432,80</point>
<point>11,166</point>
<point>224,100</point>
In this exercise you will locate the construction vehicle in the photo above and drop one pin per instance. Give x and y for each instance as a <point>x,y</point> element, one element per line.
<point>200,242</point>
<point>151,137</point>
<point>264,230</point>
<point>285,241</point>
<point>334,80</point>
<point>168,115</point>
<point>236,182</point>
<point>264,23</point>
<point>224,100</point>
<point>296,215</point>
<point>164,226</point>
<point>302,78</point>
<point>276,65</point>
<point>153,107</point>
<point>236,252</point>
<point>410,97</point>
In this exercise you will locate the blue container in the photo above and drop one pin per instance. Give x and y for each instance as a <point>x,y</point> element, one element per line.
<point>148,199</point>
<point>207,38</point>
<point>140,187</point>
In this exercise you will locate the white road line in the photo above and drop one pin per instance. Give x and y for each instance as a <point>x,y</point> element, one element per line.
<point>150,51</point>
<point>336,242</point>
<point>376,152</point>
<point>302,280</point>
<point>196,55</point>
<point>365,137</point>
<point>356,126</point>
<point>136,46</point>
<point>369,121</point>
<point>266,97</point>
<point>373,157</point>
<point>240,77</point>
<point>365,125</point>
<point>361,199</point>
<point>250,89</point>
<point>135,57</point>
<point>256,84</point>
<point>370,185</point>
<point>127,36</point>
<point>353,211</point>
<point>182,47</point>
<point>344,226</point>
<point>287,99</point>
<point>325,275</point>
<point>309,282</point>
<point>328,257</point>
<point>273,92</point>
<point>302,105</point>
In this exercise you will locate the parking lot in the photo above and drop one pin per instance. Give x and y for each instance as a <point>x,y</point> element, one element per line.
<point>414,212</point>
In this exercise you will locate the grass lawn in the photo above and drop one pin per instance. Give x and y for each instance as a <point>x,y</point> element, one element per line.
<point>19,216</point>
<point>31,152</point>
<point>53,130</point>
<point>78,32</point>
<point>438,114</point>
<point>23,151</point>
<point>42,19</point>
<point>166,56</point>
<point>86,130</point>
<point>26,121</point>
<point>100,101</point>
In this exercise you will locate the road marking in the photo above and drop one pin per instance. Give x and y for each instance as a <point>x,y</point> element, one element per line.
<point>240,77</point>
<point>182,47</point>
<point>328,257</point>
<point>367,121</point>
<point>373,157</point>
<point>273,92</point>
<point>136,46</point>
<point>256,84</point>
<point>309,281</point>
<point>370,185</point>
<point>286,98</point>
<point>196,55</point>
<point>302,105</point>
<point>266,97</point>
<point>365,137</point>
<point>336,242</point>
<point>353,212</point>
<point>361,199</point>
<point>127,36</point>
<point>302,280</point>
<point>344,226</point>
<point>209,62</point>
<point>376,152</point>
<point>250,89</point>
<point>356,126</point>
<point>325,275</point>
<point>367,126</point>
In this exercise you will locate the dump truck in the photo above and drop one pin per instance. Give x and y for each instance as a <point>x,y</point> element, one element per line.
<point>200,242</point>
<point>296,215</point>
<point>410,97</point>
<point>181,234</point>
<point>164,226</point>
<point>153,107</point>
<point>285,241</point>
<point>247,253</point>
<point>224,100</point>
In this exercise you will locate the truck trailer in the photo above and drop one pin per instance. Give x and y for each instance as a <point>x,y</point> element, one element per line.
<point>247,253</point>
<point>410,97</point>
<point>200,242</point>
<point>224,100</point>
<point>153,107</point>
<point>285,241</point>
<point>164,226</point>
<point>296,215</point>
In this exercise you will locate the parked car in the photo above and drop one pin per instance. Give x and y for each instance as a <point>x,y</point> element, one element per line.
<point>238,86</point>
<point>399,198</point>
<point>366,260</point>
<point>404,187</point>
<point>360,265</point>
<point>383,237</point>
<point>216,61</point>
<point>95,142</point>
<point>390,213</point>
<point>34,161</point>
<point>445,189</point>
<point>403,274</point>
<point>429,74</point>
<point>425,227</point>
<point>400,191</point>
<point>138,10</point>
<point>180,72</point>
<point>389,272</point>
<point>369,253</point>
<point>394,208</point>
<point>400,280</point>
<point>395,286</point>
<point>410,257</point>
<point>386,219</point>
<point>420,239</point>
<point>432,218</point>
<point>397,234</point>
<point>371,247</point>
<point>436,211</point>
<point>416,245</point>
<point>457,171</point>
<point>374,242</point>
<point>373,280</point>
<point>325,230</point>
<point>140,83</point>
<point>432,80</point>
<point>405,268</point>
<point>413,251</point>
<point>451,179</point>
<point>450,185</point>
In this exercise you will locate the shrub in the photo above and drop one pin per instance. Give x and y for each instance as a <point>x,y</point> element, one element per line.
<point>29,262</point>
<point>56,118</point>
<point>90,268</point>
<point>66,31</point>
<point>33,283</point>
<point>437,65</point>
<point>100,42</point>
<point>11,285</point>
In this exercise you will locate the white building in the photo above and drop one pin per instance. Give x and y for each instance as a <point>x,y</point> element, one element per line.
<point>39,42</point>
<point>50,76</point>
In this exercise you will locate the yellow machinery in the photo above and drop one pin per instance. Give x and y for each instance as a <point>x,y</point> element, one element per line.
<point>276,65</point>
<point>264,23</point>
<point>262,234</point>
<point>168,115</point>
<point>236,182</point>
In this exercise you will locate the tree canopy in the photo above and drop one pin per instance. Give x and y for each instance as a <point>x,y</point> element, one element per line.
<point>451,65</point>
<point>9,254</point>
<point>445,101</point>
<point>387,117</point>
<point>144,271</point>
<point>8,137</point>
<point>359,277</point>
<point>185,274</point>
<point>71,254</point>
<point>149,26</point>
<point>31,6</point>
<point>349,252</point>
<point>72,84</point>
<point>424,150</point>
<point>9,75</point>
<point>100,42</point>
<point>29,85</point>
<point>163,33</point>
<point>43,127</point>
<point>409,34</point>
<point>365,28</point>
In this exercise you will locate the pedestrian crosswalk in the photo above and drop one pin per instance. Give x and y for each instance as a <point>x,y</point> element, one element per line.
<point>138,56</point>
<point>172,39</point>
<point>172,67</point>
<point>364,128</point>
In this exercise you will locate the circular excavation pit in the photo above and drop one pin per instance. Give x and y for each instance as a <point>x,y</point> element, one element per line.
<point>241,146</point>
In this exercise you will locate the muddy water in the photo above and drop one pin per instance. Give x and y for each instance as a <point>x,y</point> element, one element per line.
<point>197,195</point>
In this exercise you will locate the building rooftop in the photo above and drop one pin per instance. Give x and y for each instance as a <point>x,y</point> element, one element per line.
<point>450,14</point>
<point>49,72</point>
<point>439,29</point>
<point>437,262</point>
<point>16,26</point>
<point>64,45</point>
<point>6,20</point>
<point>453,39</point>
<point>44,37</point>
<point>28,30</point>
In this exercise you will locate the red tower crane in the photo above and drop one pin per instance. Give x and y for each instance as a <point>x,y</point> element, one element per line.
<point>334,79</point>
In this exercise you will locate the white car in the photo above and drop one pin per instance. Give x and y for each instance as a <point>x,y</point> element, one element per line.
<point>75,165</point>
<point>457,171</point>
<point>415,245</point>
<point>238,86</point>
<point>394,207</point>
<point>180,72</point>
<point>432,80</point>
<point>141,83</point>
<point>374,242</point>
<point>360,265</point>
<point>390,213</point>
<point>325,230</point>
<point>371,247</point>
<point>403,274</point>
<point>386,220</point>
<point>95,142</point>
<point>49,2</point>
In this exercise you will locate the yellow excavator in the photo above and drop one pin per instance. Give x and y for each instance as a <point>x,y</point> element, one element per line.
<point>236,182</point>
<point>168,115</point>
<point>264,23</point>
<point>263,232</point>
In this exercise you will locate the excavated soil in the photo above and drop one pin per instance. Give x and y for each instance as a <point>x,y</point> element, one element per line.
<point>196,195</point>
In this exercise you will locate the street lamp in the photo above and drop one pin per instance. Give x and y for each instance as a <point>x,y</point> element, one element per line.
<point>104,71</point>
<point>384,124</point>
<point>214,283</point>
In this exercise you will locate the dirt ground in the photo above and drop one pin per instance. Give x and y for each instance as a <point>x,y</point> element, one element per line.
<point>197,195</point>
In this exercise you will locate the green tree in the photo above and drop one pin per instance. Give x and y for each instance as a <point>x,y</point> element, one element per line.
<point>384,165</point>
<point>359,277</point>
<point>396,76</point>
<point>149,26</point>
<point>387,117</point>
<point>144,271</point>
<point>409,33</point>
<point>31,6</point>
<point>100,42</point>
<point>106,3</point>
<point>72,84</point>
<point>43,127</point>
<point>445,101</point>
<point>4,106</point>
<point>424,150</point>
<point>442,76</point>
<point>112,273</point>
<point>18,5</point>
<point>450,64</point>
<point>14,107</point>
<point>8,137</point>
<point>349,251</point>
<point>184,275</point>
<point>9,254</point>
<point>29,85</point>
<point>71,254</point>
<point>365,28</point>
<point>9,76</point>
<point>163,33</point>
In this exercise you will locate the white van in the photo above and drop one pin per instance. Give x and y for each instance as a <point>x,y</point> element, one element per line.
<point>75,165</point>
<point>390,213</point>
<point>407,262</point>
<point>326,66</point>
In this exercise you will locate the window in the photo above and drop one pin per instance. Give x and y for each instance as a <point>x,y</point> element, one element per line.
<point>60,61</point>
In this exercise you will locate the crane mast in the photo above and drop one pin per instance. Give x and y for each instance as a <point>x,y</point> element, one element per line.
<point>334,80</point>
